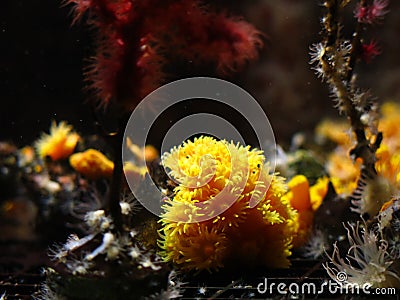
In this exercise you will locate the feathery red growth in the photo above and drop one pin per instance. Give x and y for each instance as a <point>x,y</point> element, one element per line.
<point>370,50</point>
<point>134,37</point>
<point>373,13</point>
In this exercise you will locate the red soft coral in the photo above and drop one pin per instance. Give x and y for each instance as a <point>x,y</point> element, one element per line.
<point>370,51</point>
<point>203,36</point>
<point>135,37</point>
<point>373,13</point>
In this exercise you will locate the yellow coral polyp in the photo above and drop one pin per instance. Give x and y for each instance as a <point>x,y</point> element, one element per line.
<point>92,164</point>
<point>318,192</point>
<point>134,173</point>
<point>195,248</point>
<point>150,153</point>
<point>389,125</point>
<point>343,171</point>
<point>299,196</point>
<point>382,187</point>
<point>299,193</point>
<point>59,144</point>
<point>264,222</point>
<point>335,131</point>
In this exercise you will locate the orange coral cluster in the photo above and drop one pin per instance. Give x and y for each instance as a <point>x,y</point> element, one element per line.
<point>95,165</point>
<point>92,164</point>
<point>305,200</point>
<point>264,232</point>
<point>59,144</point>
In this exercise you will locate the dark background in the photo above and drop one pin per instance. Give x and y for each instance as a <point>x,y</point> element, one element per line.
<point>41,69</point>
<point>42,57</point>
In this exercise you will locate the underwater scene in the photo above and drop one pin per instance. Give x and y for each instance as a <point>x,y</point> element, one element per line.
<point>196,149</point>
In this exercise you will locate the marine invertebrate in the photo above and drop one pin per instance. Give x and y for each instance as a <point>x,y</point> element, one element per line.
<point>388,224</point>
<point>318,192</point>
<point>334,59</point>
<point>86,255</point>
<point>197,248</point>
<point>59,144</point>
<point>371,13</point>
<point>299,198</point>
<point>174,289</point>
<point>368,192</point>
<point>367,261</point>
<point>299,193</point>
<point>265,231</point>
<point>333,130</point>
<point>306,199</point>
<point>375,191</point>
<point>133,171</point>
<point>337,131</point>
<point>149,152</point>
<point>344,172</point>
<point>135,38</point>
<point>92,255</point>
<point>46,293</point>
<point>92,164</point>
<point>370,51</point>
<point>316,245</point>
<point>388,124</point>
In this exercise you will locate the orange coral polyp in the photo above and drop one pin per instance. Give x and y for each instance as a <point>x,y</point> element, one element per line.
<point>305,200</point>
<point>300,189</point>
<point>59,144</point>
<point>92,164</point>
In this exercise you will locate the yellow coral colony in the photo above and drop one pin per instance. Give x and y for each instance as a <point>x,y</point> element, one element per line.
<point>242,234</point>
<point>92,164</point>
<point>59,144</point>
